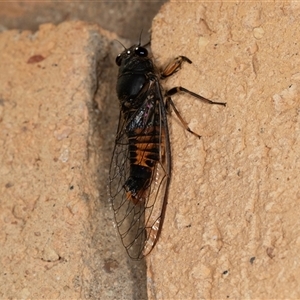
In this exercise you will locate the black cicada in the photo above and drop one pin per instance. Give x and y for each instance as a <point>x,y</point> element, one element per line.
<point>140,169</point>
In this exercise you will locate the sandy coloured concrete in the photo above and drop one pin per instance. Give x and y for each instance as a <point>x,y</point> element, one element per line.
<point>57,235</point>
<point>232,225</point>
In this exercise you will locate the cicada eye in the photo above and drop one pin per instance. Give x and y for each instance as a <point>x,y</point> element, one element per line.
<point>141,51</point>
<point>119,60</point>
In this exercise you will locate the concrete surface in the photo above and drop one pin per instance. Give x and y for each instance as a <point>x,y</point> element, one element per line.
<point>232,224</point>
<point>100,268</point>
<point>124,17</point>
<point>57,239</point>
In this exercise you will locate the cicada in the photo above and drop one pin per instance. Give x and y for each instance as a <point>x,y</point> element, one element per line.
<point>140,169</point>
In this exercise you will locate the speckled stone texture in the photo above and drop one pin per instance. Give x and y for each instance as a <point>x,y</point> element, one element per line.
<point>232,225</point>
<point>232,222</point>
<point>58,113</point>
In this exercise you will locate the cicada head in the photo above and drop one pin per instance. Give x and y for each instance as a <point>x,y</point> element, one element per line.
<point>134,59</point>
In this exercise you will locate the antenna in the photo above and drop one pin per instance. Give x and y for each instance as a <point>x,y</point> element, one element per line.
<point>121,44</point>
<point>140,37</point>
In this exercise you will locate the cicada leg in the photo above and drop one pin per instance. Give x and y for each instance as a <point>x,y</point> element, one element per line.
<point>169,70</point>
<point>174,66</point>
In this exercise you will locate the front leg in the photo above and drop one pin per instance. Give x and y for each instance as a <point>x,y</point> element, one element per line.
<point>174,66</point>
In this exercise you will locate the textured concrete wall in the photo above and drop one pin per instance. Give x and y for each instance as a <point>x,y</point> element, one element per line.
<point>55,176</point>
<point>232,224</point>
<point>57,126</point>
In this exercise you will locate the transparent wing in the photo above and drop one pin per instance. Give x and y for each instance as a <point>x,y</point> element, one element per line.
<point>139,222</point>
